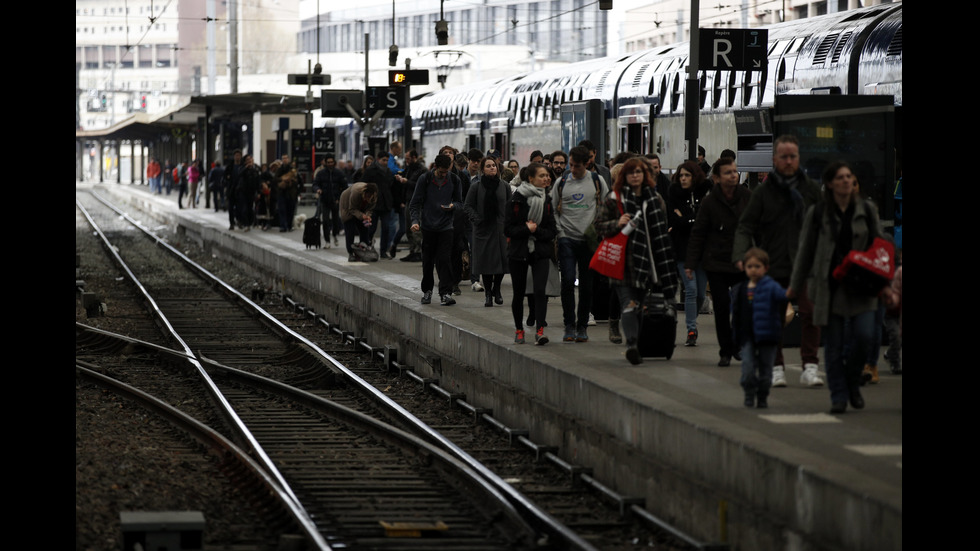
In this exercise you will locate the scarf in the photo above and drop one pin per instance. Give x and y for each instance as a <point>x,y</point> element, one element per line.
<point>655,223</point>
<point>790,186</point>
<point>535,203</point>
<point>491,205</point>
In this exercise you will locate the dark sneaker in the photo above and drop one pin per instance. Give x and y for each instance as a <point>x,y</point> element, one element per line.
<point>352,258</point>
<point>581,335</point>
<point>762,403</point>
<point>692,338</point>
<point>569,334</point>
<point>737,355</point>
<point>427,297</point>
<point>614,335</point>
<point>519,336</point>
<point>633,355</point>
<point>456,290</point>
<point>539,338</point>
<point>446,300</point>
<point>725,361</point>
<point>749,401</point>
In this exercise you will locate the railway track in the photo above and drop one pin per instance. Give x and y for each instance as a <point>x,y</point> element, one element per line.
<point>234,344</point>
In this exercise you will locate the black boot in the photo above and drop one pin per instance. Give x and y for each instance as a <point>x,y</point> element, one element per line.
<point>489,298</point>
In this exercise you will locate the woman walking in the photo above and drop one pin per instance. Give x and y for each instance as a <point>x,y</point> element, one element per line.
<point>530,225</point>
<point>683,203</point>
<point>634,201</point>
<point>486,206</point>
<point>842,223</point>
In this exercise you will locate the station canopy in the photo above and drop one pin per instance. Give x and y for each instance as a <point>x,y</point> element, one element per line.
<point>147,128</point>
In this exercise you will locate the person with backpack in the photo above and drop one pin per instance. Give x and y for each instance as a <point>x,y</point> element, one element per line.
<point>576,200</point>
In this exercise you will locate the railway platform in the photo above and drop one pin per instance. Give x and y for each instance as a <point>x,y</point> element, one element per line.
<point>672,432</point>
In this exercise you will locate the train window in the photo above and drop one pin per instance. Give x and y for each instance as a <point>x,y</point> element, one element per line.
<point>747,88</point>
<point>781,76</point>
<point>675,94</point>
<point>717,88</point>
<point>761,88</point>
<point>732,87</point>
<point>662,94</point>
<point>703,89</point>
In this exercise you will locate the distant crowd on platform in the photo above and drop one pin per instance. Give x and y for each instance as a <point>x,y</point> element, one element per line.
<point>758,252</point>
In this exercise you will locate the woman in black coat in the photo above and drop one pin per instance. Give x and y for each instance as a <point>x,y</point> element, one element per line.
<point>530,225</point>
<point>486,206</point>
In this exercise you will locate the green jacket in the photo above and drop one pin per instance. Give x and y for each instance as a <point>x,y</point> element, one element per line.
<point>814,264</point>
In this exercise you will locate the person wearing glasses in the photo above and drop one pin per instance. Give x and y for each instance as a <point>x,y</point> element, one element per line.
<point>649,253</point>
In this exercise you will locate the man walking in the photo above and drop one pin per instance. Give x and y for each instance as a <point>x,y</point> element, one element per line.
<point>328,184</point>
<point>437,195</point>
<point>576,199</point>
<point>772,221</point>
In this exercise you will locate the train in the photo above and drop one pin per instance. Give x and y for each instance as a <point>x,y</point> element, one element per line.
<point>848,62</point>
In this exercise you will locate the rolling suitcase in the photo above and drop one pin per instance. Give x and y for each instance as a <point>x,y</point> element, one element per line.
<point>658,316</point>
<point>658,327</point>
<point>311,231</point>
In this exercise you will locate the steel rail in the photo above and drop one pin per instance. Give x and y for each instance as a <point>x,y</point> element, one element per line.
<point>222,403</point>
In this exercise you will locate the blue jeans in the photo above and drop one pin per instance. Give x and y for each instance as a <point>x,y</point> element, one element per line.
<point>388,221</point>
<point>629,319</point>
<point>693,294</point>
<point>844,368</point>
<point>574,254</point>
<point>757,362</point>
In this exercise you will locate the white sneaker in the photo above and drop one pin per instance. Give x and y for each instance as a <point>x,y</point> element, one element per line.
<point>810,376</point>
<point>778,376</point>
<point>477,287</point>
<point>591,319</point>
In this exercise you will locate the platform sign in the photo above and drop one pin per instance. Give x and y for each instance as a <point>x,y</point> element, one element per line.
<point>324,142</point>
<point>389,98</point>
<point>733,49</point>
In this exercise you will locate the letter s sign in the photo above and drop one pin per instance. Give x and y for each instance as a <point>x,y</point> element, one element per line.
<point>391,99</point>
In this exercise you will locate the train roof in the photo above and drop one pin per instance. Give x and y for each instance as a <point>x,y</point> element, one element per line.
<point>803,54</point>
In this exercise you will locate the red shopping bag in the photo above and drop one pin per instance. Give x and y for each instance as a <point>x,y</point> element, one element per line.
<point>868,272</point>
<point>610,258</point>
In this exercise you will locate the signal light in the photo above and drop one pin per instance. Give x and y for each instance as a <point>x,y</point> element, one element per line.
<point>392,55</point>
<point>143,102</point>
<point>442,32</point>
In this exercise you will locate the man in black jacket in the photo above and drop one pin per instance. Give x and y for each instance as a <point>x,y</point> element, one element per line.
<point>328,184</point>
<point>437,196</point>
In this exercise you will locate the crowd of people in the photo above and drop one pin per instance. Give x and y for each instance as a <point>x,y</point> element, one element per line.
<point>760,257</point>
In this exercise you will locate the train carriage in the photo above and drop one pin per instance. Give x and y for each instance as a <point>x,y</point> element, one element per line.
<point>636,102</point>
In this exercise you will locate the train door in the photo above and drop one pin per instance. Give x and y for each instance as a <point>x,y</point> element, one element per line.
<point>474,135</point>
<point>634,128</point>
<point>584,120</point>
<point>500,136</point>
